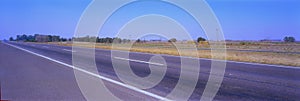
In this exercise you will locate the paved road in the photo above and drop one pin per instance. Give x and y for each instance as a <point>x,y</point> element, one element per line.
<point>242,81</point>
<point>26,77</point>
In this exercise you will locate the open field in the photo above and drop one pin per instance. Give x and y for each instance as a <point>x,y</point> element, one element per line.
<point>273,53</point>
<point>265,46</point>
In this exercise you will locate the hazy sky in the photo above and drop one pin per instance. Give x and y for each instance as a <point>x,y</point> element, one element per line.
<point>240,19</point>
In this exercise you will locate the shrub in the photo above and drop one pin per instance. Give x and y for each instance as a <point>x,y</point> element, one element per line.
<point>201,39</point>
<point>289,39</point>
<point>172,40</point>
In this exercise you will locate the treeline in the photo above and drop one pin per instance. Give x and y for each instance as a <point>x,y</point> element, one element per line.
<point>27,38</point>
<point>37,38</point>
<point>53,38</point>
<point>119,40</point>
<point>101,40</point>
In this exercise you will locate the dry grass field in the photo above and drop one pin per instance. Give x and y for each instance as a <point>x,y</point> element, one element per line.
<point>275,53</point>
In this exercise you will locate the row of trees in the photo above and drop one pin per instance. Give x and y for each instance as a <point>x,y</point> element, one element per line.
<point>288,39</point>
<point>199,39</point>
<point>101,40</point>
<point>119,40</point>
<point>27,38</point>
<point>31,38</point>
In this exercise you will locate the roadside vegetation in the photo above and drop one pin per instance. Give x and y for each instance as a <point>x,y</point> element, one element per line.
<point>37,37</point>
<point>288,59</point>
<point>286,52</point>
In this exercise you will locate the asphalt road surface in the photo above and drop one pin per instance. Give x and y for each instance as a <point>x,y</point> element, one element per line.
<point>27,76</point>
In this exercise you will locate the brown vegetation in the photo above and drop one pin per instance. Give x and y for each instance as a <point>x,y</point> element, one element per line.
<point>288,59</point>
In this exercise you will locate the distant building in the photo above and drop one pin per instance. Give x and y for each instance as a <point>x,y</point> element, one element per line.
<point>41,38</point>
<point>54,38</point>
<point>46,38</point>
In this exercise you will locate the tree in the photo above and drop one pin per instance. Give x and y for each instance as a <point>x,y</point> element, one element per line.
<point>138,40</point>
<point>63,39</point>
<point>172,40</point>
<point>50,38</point>
<point>200,39</point>
<point>117,40</point>
<point>125,40</point>
<point>30,38</point>
<point>18,38</point>
<point>21,37</point>
<point>289,39</point>
<point>11,39</point>
<point>108,40</point>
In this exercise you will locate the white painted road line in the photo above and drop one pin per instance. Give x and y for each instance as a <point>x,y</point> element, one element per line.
<point>68,50</point>
<point>45,46</point>
<point>152,63</point>
<point>95,75</point>
<point>228,61</point>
